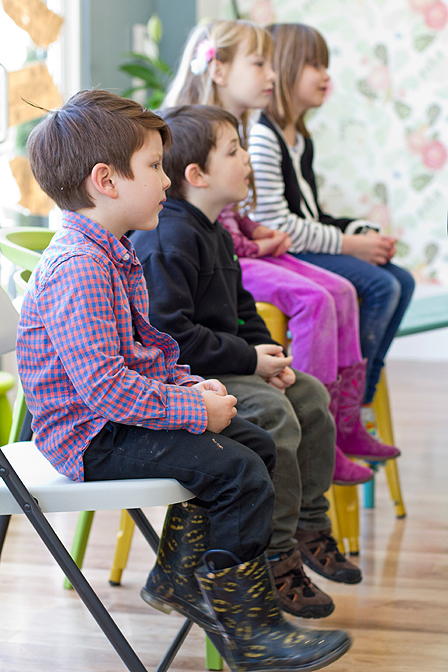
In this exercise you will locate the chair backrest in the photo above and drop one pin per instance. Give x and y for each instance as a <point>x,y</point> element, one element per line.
<point>8,323</point>
<point>23,246</point>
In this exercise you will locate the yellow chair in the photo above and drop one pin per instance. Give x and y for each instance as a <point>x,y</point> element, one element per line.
<point>343,499</point>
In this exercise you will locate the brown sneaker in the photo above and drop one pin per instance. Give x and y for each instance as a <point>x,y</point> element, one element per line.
<point>296,594</point>
<point>320,553</point>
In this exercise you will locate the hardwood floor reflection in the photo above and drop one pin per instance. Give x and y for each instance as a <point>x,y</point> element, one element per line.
<point>398,615</point>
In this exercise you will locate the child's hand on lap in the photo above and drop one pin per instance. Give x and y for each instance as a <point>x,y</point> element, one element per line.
<point>213,385</point>
<point>271,360</point>
<point>270,241</point>
<point>220,409</point>
<point>284,379</point>
<point>372,247</point>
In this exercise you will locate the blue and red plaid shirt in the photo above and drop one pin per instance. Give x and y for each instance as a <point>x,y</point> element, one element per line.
<point>87,353</point>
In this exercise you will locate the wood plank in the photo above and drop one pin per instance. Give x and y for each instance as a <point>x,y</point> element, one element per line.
<point>398,615</point>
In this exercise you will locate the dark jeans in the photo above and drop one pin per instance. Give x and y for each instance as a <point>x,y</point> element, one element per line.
<point>385,293</point>
<point>230,473</point>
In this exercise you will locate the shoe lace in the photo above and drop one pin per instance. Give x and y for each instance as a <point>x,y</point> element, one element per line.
<point>331,546</point>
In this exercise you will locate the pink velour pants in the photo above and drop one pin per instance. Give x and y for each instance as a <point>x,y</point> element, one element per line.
<point>322,308</point>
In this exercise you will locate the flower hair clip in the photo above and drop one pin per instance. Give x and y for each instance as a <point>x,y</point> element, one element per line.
<point>205,52</point>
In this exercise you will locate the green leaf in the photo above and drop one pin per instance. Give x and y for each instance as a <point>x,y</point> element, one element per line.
<point>154,28</point>
<point>402,109</point>
<point>380,190</point>
<point>433,113</point>
<point>137,56</point>
<point>381,53</point>
<point>364,88</point>
<point>422,42</point>
<point>142,72</point>
<point>431,251</point>
<point>421,181</point>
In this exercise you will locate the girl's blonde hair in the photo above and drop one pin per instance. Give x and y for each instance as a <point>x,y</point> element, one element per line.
<point>190,89</point>
<point>295,46</point>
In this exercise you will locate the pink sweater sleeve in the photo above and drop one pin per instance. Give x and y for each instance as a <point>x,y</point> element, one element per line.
<point>240,228</point>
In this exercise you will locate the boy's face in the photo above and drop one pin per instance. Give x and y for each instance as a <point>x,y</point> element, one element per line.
<point>143,196</point>
<point>228,168</point>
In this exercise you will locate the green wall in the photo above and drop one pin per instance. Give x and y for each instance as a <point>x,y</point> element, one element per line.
<point>107,36</point>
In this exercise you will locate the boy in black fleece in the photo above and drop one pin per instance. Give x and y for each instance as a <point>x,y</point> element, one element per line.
<point>196,295</point>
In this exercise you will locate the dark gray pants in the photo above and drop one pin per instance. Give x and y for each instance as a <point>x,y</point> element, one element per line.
<point>303,431</point>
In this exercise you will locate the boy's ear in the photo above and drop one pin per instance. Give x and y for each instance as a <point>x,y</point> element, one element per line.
<point>103,179</point>
<point>195,176</point>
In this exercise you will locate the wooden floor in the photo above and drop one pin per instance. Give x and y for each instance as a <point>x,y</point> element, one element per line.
<point>398,615</point>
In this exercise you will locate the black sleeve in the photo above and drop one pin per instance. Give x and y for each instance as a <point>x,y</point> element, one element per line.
<point>172,286</point>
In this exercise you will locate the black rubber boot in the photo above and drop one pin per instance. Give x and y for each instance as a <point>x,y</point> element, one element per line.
<point>172,584</point>
<point>255,634</point>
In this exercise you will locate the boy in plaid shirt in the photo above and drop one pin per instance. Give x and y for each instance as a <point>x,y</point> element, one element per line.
<point>102,383</point>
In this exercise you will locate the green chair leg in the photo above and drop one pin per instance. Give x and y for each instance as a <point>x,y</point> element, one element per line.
<point>213,660</point>
<point>82,532</point>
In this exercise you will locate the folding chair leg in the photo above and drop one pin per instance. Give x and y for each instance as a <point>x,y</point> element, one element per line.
<point>145,528</point>
<point>69,567</point>
<point>80,539</point>
<point>213,660</point>
<point>122,548</point>
<point>4,522</point>
<point>174,647</point>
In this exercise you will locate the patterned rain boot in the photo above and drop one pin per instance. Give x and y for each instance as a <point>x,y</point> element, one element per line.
<point>346,472</point>
<point>172,584</point>
<point>352,438</point>
<point>255,634</point>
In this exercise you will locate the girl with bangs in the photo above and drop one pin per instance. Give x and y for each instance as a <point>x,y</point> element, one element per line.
<point>281,153</point>
<point>228,64</point>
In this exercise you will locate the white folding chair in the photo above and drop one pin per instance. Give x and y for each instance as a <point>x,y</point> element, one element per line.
<point>31,486</point>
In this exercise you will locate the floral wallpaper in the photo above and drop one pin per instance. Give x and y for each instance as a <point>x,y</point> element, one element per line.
<point>381,137</point>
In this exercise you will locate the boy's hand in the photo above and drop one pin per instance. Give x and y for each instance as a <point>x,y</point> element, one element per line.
<point>270,360</point>
<point>285,379</point>
<point>373,247</point>
<point>213,385</point>
<point>220,410</point>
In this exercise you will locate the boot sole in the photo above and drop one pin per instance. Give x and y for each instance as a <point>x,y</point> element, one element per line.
<point>167,607</point>
<point>359,482</point>
<point>309,564</point>
<point>317,611</point>
<point>373,458</point>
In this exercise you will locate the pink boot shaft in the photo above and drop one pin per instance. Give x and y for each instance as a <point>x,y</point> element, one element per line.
<point>346,472</point>
<point>352,438</point>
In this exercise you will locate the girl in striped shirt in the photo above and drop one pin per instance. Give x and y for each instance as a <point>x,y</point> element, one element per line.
<point>282,159</point>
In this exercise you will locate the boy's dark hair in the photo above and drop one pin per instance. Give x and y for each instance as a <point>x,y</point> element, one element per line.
<point>91,127</point>
<point>194,129</point>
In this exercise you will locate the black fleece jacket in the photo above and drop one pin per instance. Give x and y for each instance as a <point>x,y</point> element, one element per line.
<point>196,294</point>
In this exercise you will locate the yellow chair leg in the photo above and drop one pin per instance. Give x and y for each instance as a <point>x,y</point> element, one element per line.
<point>382,410</point>
<point>124,538</point>
<point>346,498</point>
<point>334,515</point>
<point>393,481</point>
<point>384,422</point>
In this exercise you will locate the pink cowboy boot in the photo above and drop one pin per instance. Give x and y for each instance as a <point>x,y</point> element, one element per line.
<point>352,437</point>
<point>346,472</point>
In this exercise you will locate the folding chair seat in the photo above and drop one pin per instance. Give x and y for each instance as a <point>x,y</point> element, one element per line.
<point>33,487</point>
